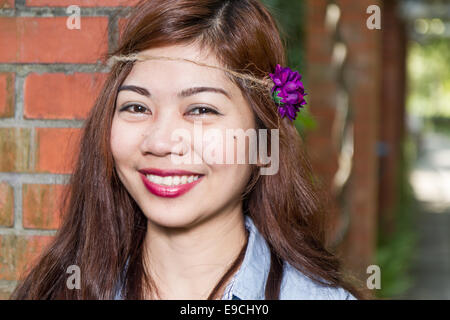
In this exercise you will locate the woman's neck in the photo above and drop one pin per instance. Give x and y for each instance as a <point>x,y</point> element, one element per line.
<point>188,263</point>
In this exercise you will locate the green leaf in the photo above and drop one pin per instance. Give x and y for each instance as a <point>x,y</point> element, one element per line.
<point>277,98</point>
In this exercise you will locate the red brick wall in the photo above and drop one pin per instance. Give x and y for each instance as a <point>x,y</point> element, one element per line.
<point>322,92</point>
<point>361,78</point>
<point>49,77</point>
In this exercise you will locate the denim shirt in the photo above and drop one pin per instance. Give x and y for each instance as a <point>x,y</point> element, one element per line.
<point>249,282</point>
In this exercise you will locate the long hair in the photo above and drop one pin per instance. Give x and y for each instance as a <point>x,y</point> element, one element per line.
<point>103,228</point>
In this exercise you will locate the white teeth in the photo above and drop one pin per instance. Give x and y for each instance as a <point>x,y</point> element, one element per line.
<point>171,180</point>
<point>167,181</point>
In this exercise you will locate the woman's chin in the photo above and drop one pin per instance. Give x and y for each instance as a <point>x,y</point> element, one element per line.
<point>173,219</point>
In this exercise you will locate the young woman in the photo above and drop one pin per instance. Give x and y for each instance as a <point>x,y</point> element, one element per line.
<point>141,225</point>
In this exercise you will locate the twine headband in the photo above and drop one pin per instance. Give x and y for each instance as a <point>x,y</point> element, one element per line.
<point>284,86</point>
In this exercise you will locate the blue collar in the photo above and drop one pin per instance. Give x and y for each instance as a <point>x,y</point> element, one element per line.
<point>250,280</point>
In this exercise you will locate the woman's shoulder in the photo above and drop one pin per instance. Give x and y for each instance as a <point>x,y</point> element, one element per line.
<point>297,286</point>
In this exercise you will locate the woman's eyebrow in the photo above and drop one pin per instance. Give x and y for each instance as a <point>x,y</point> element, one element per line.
<point>191,91</point>
<point>139,90</point>
<point>183,94</point>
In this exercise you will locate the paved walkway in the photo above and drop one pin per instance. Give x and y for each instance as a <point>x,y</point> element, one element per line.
<point>431,183</point>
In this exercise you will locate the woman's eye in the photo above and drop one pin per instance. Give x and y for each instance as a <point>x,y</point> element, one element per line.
<point>202,110</point>
<point>135,108</point>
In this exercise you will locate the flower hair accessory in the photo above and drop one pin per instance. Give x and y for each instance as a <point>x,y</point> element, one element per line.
<point>288,91</point>
<point>284,86</point>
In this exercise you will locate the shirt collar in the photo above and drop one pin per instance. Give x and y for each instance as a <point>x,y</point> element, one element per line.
<point>250,280</point>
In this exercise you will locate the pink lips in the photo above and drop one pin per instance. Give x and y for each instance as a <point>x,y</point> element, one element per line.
<point>168,191</point>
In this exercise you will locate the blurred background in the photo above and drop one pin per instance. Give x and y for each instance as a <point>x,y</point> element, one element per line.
<point>376,126</point>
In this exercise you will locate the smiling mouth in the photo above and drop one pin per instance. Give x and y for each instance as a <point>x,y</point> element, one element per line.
<point>170,186</point>
<point>172,180</point>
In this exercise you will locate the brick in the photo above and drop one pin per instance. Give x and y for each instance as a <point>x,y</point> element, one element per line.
<point>48,40</point>
<point>18,253</point>
<point>41,206</point>
<point>316,7</point>
<point>6,205</point>
<point>56,149</point>
<point>318,84</point>
<point>5,293</point>
<point>6,4</point>
<point>15,150</point>
<point>7,93</point>
<point>325,118</point>
<point>318,72</point>
<point>61,96</point>
<point>357,7</point>
<point>81,3</point>
<point>324,155</point>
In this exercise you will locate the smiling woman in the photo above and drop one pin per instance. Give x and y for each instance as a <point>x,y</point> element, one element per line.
<point>140,226</point>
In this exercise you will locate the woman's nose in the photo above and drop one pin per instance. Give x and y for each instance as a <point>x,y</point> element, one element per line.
<point>162,137</point>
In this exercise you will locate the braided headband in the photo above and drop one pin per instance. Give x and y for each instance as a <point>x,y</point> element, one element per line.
<point>283,85</point>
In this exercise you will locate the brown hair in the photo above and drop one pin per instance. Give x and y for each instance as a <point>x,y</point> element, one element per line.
<point>103,227</point>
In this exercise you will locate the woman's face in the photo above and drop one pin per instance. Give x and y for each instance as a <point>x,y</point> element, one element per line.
<point>160,98</point>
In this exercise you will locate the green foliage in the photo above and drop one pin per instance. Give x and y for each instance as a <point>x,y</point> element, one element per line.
<point>429,78</point>
<point>290,17</point>
<point>438,124</point>
<point>305,121</point>
<point>394,252</point>
<point>428,68</point>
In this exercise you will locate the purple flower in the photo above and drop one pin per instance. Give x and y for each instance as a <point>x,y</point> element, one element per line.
<point>288,91</point>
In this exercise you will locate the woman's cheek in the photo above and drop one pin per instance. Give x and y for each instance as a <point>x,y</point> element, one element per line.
<point>214,147</point>
<point>123,141</point>
<point>227,147</point>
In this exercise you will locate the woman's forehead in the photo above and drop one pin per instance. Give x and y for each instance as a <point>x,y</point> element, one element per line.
<point>179,73</point>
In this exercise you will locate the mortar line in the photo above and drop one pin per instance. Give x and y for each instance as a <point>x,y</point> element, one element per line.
<point>8,285</point>
<point>4,283</point>
<point>24,69</point>
<point>40,123</point>
<point>17,185</point>
<point>34,178</point>
<point>18,112</point>
<point>33,148</point>
<point>112,31</point>
<point>48,11</point>
<point>26,232</point>
<point>20,4</point>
